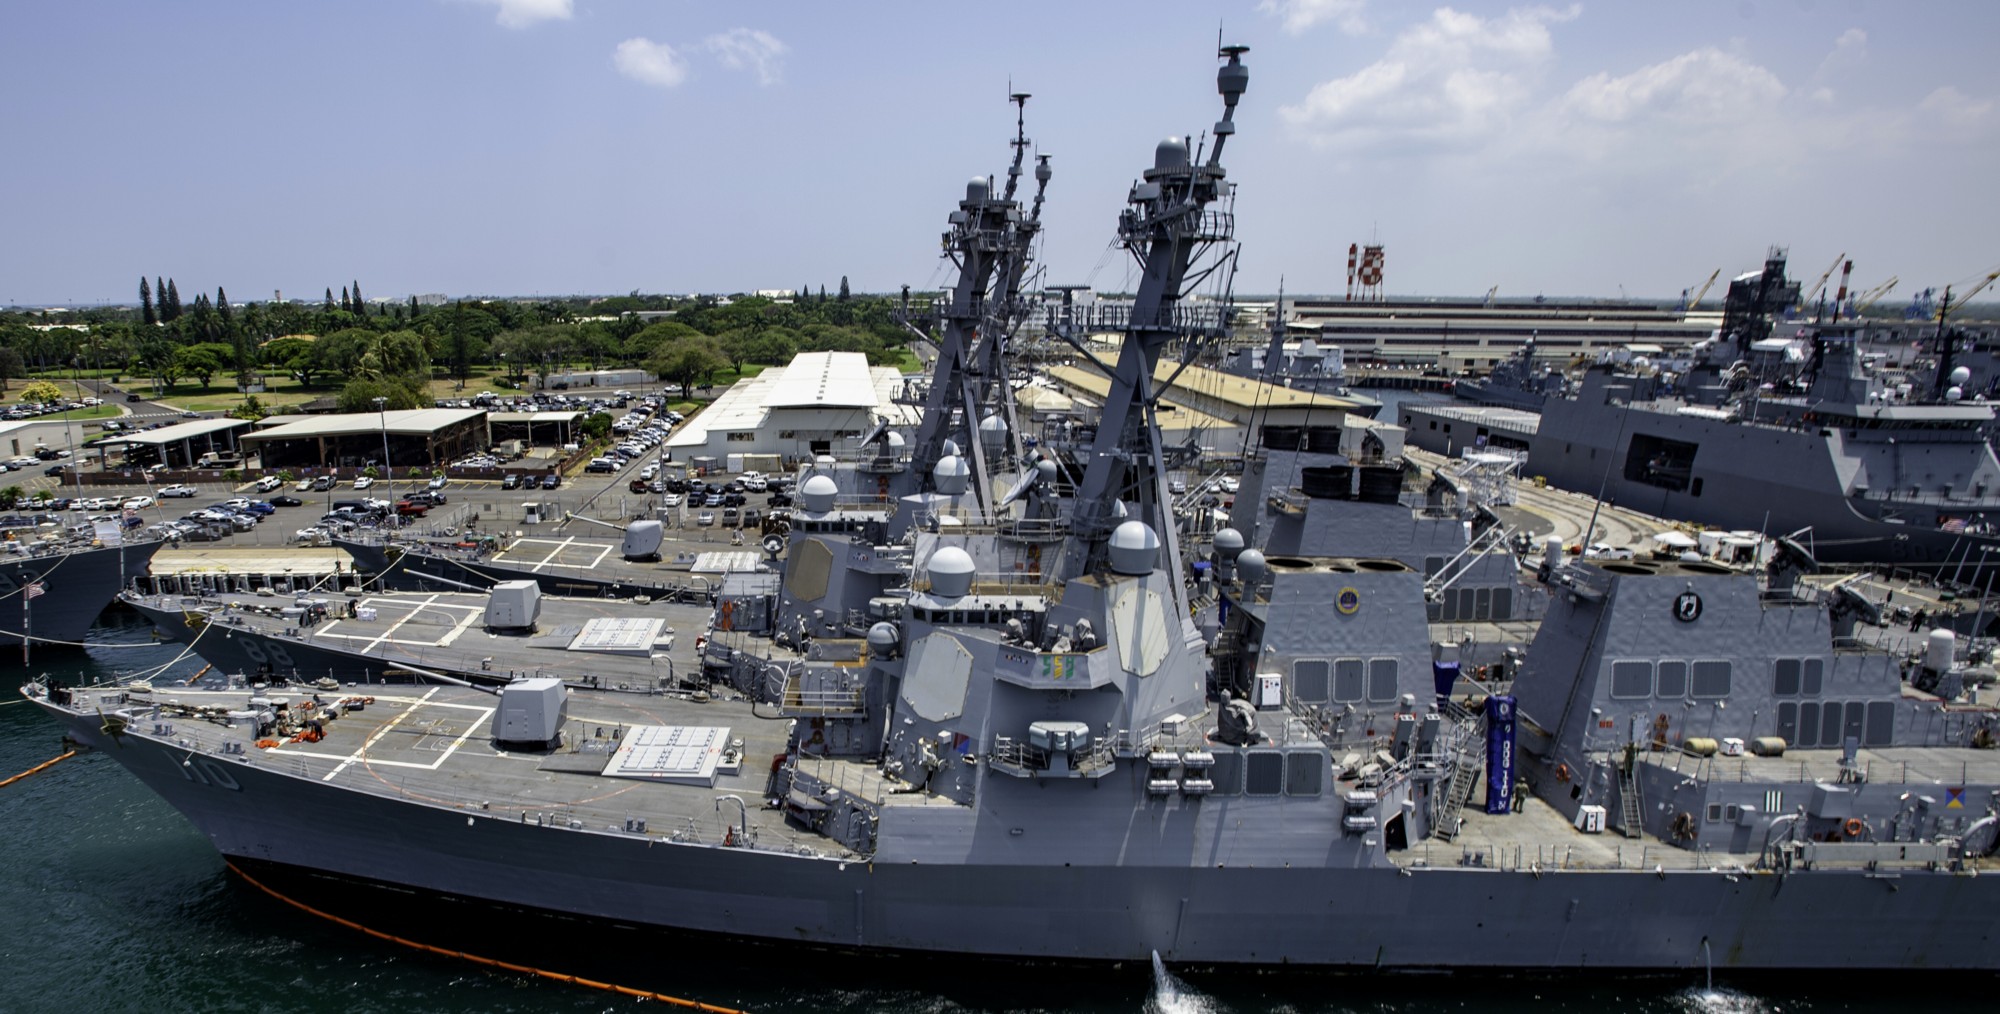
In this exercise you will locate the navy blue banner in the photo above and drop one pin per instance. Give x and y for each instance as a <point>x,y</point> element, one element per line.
<point>1499,753</point>
<point>1444,676</point>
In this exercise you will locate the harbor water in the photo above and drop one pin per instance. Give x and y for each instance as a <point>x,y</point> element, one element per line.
<point>114,903</point>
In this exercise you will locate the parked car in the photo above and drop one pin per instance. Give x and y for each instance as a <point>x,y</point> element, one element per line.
<point>705,518</point>
<point>551,481</point>
<point>410,508</point>
<point>269,483</point>
<point>1603,551</point>
<point>437,483</point>
<point>138,503</point>
<point>322,484</point>
<point>286,500</point>
<point>363,482</point>
<point>512,480</point>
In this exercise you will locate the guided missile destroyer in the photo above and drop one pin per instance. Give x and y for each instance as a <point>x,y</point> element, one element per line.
<point>56,579</point>
<point>994,725</point>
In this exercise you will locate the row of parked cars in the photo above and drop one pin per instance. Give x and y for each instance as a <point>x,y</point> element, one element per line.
<point>31,409</point>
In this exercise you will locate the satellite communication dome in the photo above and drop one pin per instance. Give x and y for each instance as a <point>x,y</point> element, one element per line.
<point>1228,544</point>
<point>951,572</point>
<point>1133,548</point>
<point>817,493</point>
<point>952,475</point>
<point>1250,564</point>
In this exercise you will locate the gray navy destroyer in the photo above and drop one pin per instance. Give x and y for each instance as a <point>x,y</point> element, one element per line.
<point>56,578</point>
<point>981,704</point>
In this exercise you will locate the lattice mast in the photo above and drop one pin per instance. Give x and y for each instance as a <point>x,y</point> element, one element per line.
<point>1169,228</point>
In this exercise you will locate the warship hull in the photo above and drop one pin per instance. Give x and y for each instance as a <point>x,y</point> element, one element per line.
<point>1755,478</point>
<point>996,905</point>
<point>76,586</point>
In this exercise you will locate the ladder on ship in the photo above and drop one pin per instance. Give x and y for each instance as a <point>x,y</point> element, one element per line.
<point>1467,763</point>
<point>1631,815</point>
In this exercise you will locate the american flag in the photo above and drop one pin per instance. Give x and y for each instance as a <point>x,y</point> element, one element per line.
<point>1953,525</point>
<point>33,590</point>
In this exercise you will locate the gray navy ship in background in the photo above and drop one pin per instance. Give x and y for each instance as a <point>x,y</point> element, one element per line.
<point>1857,466</point>
<point>984,705</point>
<point>56,579</point>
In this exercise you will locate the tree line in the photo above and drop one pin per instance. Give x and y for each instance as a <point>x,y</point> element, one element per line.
<point>359,350</point>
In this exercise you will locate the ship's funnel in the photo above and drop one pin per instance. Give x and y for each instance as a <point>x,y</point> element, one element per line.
<point>642,540</point>
<point>950,570</point>
<point>817,493</point>
<point>1133,548</point>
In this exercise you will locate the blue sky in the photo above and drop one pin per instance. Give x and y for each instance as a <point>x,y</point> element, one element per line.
<point>526,147</point>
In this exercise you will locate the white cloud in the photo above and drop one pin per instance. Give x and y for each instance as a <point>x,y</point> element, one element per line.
<point>523,13</point>
<point>1704,87</point>
<point>750,49</point>
<point>649,62</point>
<point>1955,108</point>
<point>1299,15</point>
<point>1452,78</point>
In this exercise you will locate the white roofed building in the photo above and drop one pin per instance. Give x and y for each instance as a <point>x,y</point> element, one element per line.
<point>819,403</point>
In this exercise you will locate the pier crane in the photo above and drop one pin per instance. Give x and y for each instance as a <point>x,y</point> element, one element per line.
<point>1820,286</point>
<point>1867,299</point>
<point>1690,302</point>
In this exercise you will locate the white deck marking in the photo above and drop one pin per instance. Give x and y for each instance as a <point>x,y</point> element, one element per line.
<point>553,558</point>
<point>421,606</point>
<point>379,733</point>
<point>468,615</point>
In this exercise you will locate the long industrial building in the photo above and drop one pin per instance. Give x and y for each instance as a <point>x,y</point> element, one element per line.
<point>428,437</point>
<point>819,403</point>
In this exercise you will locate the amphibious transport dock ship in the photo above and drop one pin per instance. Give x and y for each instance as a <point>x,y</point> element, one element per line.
<point>1034,748</point>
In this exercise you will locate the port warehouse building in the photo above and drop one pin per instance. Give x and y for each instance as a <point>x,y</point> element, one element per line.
<point>178,446</point>
<point>1450,428</point>
<point>1217,409</point>
<point>428,437</point>
<point>819,403</point>
<point>1473,335</point>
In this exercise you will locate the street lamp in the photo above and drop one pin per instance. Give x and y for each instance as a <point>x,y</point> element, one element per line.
<point>388,471</point>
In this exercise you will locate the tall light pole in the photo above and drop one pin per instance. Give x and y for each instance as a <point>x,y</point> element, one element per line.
<point>388,471</point>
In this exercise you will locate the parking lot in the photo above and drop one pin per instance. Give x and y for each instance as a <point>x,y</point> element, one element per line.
<point>469,507</point>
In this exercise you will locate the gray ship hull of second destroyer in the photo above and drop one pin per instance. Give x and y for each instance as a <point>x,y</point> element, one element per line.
<point>53,590</point>
<point>1035,749</point>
